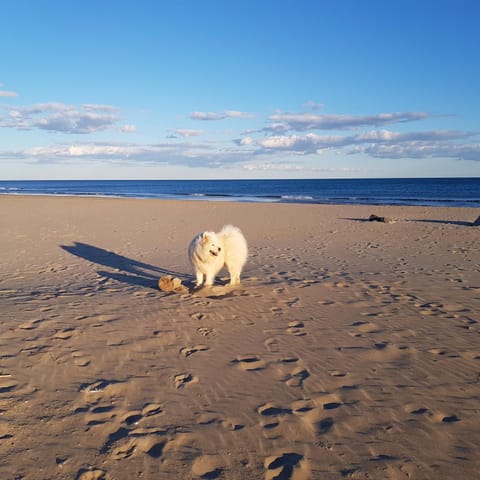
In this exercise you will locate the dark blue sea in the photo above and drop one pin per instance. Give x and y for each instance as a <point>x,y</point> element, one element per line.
<point>454,192</point>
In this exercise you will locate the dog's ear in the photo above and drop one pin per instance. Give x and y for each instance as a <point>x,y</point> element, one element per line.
<point>205,237</point>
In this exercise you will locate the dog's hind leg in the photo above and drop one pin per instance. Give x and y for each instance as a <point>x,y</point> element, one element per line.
<point>234,276</point>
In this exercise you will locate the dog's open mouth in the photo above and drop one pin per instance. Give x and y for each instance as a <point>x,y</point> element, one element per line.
<point>215,254</point>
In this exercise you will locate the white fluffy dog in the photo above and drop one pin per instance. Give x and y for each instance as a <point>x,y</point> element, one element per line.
<point>210,251</point>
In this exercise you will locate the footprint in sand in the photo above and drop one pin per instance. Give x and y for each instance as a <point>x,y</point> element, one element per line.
<point>31,324</point>
<point>100,414</point>
<point>80,359</point>
<point>438,351</point>
<point>205,331</point>
<point>98,404</point>
<point>296,328</point>
<point>124,450</point>
<point>326,302</point>
<point>103,390</point>
<point>307,283</point>
<point>294,302</point>
<point>300,407</point>
<point>249,363</point>
<point>272,344</point>
<point>285,467</point>
<point>445,418</point>
<point>232,424</point>
<point>270,423</point>
<point>151,409</point>
<point>365,328</point>
<point>129,439</point>
<point>64,334</point>
<point>388,352</point>
<point>419,411</point>
<point>7,383</point>
<point>91,474</point>
<point>187,351</point>
<point>292,371</point>
<point>269,409</point>
<point>6,430</point>
<point>297,376</point>
<point>150,445</point>
<point>208,466</point>
<point>132,417</point>
<point>98,386</point>
<point>183,379</point>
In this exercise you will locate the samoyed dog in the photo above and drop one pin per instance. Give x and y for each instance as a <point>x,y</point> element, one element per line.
<point>210,251</point>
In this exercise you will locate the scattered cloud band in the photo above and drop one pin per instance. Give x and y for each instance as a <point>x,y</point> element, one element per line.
<point>300,122</point>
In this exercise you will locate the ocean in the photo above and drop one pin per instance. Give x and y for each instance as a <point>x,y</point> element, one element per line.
<point>454,192</point>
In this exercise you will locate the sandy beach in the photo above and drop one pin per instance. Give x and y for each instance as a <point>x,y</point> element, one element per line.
<point>350,350</point>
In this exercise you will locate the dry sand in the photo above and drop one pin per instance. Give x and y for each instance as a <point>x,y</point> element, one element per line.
<point>351,349</point>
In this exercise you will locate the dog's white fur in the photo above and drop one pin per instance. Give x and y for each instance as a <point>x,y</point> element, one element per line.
<point>210,251</point>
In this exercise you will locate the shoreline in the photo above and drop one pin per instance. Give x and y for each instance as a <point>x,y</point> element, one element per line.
<point>348,344</point>
<point>231,199</point>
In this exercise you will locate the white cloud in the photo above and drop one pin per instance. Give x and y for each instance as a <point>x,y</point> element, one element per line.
<point>284,122</point>
<point>220,115</point>
<point>419,149</point>
<point>273,166</point>
<point>61,117</point>
<point>309,143</point>
<point>313,105</point>
<point>245,141</point>
<point>6,93</point>
<point>206,116</point>
<point>237,114</point>
<point>92,107</point>
<point>185,133</point>
<point>128,129</point>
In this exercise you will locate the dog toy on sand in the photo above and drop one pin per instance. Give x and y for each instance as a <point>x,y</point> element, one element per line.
<point>168,283</point>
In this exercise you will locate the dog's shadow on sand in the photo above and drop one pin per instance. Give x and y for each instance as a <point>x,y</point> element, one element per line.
<point>127,270</point>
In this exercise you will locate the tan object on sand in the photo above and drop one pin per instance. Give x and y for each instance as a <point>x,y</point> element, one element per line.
<point>168,283</point>
<point>476,223</point>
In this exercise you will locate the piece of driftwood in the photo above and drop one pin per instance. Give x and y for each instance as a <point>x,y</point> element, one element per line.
<point>376,218</point>
<point>476,223</point>
<point>171,284</point>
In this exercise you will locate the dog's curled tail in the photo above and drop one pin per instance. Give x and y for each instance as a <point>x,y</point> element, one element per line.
<point>230,230</point>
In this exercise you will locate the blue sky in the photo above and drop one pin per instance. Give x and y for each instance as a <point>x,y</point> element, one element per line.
<point>239,89</point>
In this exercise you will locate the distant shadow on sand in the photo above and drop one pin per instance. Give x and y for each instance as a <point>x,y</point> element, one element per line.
<point>127,270</point>
<point>356,219</point>
<point>444,222</point>
<point>447,222</point>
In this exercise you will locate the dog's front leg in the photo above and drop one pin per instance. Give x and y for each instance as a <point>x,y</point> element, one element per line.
<point>200,278</point>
